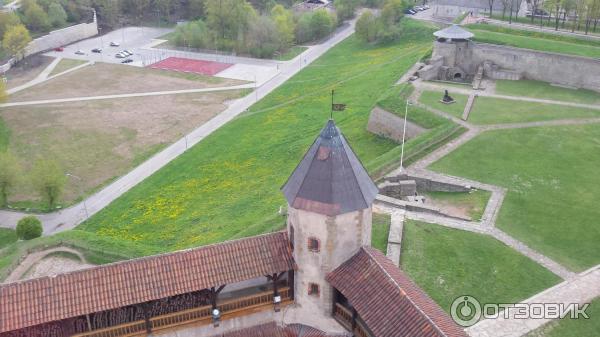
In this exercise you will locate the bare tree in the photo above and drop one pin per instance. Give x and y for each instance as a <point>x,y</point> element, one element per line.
<point>491,3</point>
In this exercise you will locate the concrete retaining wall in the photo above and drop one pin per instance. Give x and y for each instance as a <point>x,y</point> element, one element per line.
<point>388,125</point>
<point>57,38</point>
<point>427,185</point>
<point>62,37</point>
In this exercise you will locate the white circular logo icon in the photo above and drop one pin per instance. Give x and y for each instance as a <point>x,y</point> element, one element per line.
<point>465,310</point>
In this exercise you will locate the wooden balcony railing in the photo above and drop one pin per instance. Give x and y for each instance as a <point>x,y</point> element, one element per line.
<point>229,309</point>
<point>344,317</point>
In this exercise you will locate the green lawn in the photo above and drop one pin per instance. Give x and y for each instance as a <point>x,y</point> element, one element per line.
<point>4,135</point>
<point>489,110</point>
<point>448,263</point>
<point>473,202</point>
<point>229,183</point>
<point>7,236</point>
<point>551,174</point>
<point>64,65</point>
<point>529,40</point>
<point>546,23</point>
<point>544,90</point>
<point>380,231</point>
<point>568,327</point>
<point>432,99</point>
<point>291,53</point>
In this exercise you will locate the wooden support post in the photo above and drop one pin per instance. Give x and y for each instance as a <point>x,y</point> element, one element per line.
<point>291,283</point>
<point>147,318</point>
<point>89,322</point>
<point>354,315</point>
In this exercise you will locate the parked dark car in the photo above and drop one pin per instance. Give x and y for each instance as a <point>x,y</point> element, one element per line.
<point>127,61</point>
<point>59,49</point>
<point>96,50</point>
<point>410,11</point>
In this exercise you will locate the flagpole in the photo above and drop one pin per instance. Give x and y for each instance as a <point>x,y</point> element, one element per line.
<point>403,135</point>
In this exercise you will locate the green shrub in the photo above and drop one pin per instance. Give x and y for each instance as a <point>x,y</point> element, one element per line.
<point>29,228</point>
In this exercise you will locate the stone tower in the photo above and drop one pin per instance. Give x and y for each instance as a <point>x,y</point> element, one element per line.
<point>329,198</point>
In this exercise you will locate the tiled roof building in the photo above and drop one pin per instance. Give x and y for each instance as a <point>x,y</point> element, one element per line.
<point>321,270</point>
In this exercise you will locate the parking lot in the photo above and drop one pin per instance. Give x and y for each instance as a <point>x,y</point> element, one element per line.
<point>130,38</point>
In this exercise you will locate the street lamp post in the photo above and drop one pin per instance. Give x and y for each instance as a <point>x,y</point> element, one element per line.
<point>404,135</point>
<point>87,215</point>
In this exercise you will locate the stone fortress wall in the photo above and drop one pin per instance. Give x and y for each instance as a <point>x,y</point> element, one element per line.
<point>463,58</point>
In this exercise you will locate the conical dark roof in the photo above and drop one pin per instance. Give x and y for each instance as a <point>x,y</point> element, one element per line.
<point>330,179</point>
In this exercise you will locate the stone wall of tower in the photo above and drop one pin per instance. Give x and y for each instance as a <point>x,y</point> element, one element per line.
<point>339,238</point>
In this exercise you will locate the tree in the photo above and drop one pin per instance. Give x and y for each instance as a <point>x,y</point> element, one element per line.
<point>393,11</point>
<point>192,34</point>
<point>263,37</point>
<point>35,18</point>
<point>57,15</point>
<point>284,22</point>
<point>195,9</point>
<point>7,20</point>
<point>322,23</point>
<point>491,4</point>
<point>345,8</point>
<point>303,28</point>
<point>49,179</point>
<point>29,228</point>
<point>9,174</point>
<point>15,40</point>
<point>229,20</point>
<point>366,27</point>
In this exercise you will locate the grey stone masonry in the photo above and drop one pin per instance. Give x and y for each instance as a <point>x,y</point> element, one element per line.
<point>394,247</point>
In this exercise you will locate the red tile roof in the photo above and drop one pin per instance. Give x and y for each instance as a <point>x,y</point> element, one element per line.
<point>273,330</point>
<point>388,302</point>
<point>48,299</point>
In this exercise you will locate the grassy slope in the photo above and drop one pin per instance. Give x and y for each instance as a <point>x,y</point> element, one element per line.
<point>568,327</point>
<point>432,99</point>
<point>229,183</point>
<point>489,110</point>
<point>380,231</point>
<point>7,236</point>
<point>536,41</point>
<point>553,186</point>
<point>545,90</point>
<point>448,263</point>
<point>4,135</point>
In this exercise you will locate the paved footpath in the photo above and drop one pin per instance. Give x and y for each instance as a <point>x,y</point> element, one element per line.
<point>581,289</point>
<point>72,216</point>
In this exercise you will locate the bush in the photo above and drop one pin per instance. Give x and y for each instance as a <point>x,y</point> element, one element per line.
<point>193,34</point>
<point>263,38</point>
<point>29,228</point>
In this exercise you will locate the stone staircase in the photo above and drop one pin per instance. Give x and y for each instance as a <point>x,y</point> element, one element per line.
<point>468,106</point>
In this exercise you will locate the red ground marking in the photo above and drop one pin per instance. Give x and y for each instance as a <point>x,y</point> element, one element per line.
<point>191,66</point>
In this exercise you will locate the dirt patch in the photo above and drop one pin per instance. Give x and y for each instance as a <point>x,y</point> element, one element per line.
<point>110,79</point>
<point>27,70</point>
<point>54,265</point>
<point>104,139</point>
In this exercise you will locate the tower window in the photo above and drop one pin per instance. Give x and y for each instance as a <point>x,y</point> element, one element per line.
<point>313,289</point>
<point>313,244</point>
